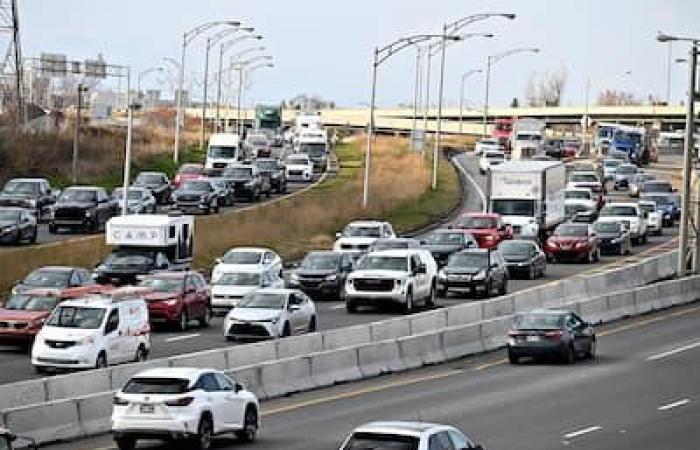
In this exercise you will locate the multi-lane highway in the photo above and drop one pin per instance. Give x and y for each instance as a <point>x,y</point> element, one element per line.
<point>15,364</point>
<point>640,393</point>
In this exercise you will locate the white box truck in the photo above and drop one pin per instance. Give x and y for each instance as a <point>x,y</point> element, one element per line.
<point>527,138</point>
<point>224,150</point>
<point>529,195</point>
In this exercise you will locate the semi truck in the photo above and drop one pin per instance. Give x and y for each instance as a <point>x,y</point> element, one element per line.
<point>529,195</point>
<point>526,138</point>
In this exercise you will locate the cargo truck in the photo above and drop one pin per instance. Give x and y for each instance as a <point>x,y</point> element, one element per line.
<point>529,195</point>
<point>527,138</point>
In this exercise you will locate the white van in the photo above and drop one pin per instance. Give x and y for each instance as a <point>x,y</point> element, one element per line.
<point>94,332</point>
<point>224,150</point>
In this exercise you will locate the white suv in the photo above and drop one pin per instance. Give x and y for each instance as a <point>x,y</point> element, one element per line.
<point>408,435</point>
<point>392,276</point>
<point>357,236</point>
<point>183,403</point>
<point>627,212</point>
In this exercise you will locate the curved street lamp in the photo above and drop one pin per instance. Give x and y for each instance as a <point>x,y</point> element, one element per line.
<point>465,75</point>
<point>241,67</point>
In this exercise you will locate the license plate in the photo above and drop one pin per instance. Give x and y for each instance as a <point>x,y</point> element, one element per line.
<point>147,409</point>
<point>532,338</point>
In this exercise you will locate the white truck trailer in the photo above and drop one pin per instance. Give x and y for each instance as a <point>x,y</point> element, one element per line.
<point>527,138</point>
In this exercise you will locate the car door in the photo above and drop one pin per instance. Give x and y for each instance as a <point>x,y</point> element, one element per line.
<point>295,311</point>
<point>233,403</point>
<point>189,297</point>
<point>113,339</point>
<point>440,441</point>
<point>216,397</point>
<point>577,329</point>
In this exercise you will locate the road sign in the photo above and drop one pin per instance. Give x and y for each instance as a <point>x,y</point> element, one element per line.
<point>53,65</point>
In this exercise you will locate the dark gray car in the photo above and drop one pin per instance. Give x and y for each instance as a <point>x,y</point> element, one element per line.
<point>274,170</point>
<point>442,243</point>
<point>158,183</point>
<point>322,274</point>
<point>524,258</point>
<point>34,194</point>
<point>550,333</point>
<point>474,270</point>
<point>16,225</point>
<point>614,237</point>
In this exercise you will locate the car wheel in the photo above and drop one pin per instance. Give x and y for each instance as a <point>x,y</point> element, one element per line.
<point>591,352</point>
<point>141,354</point>
<point>125,443</point>
<point>504,287</point>
<point>622,250</point>
<point>442,292</point>
<point>408,306</point>
<point>312,325</point>
<point>268,194</point>
<point>512,357</point>
<point>40,370</point>
<point>488,290</point>
<point>430,300</point>
<point>250,426</point>
<point>350,307</point>
<point>182,320</point>
<point>53,229</point>
<point>531,275</point>
<point>202,441</point>
<point>101,362</point>
<point>597,255</point>
<point>32,237</point>
<point>205,320</point>
<point>216,207</point>
<point>590,258</point>
<point>569,357</point>
<point>644,238</point>
<point>286,330</point>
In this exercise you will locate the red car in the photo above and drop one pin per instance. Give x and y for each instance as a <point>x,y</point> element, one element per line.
<point>188,172</point>
<point>24,314</point>
<point>176,298</point>
<point>573,241</point>
<point>487,228</point>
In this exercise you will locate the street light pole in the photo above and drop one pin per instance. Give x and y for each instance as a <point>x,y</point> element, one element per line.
<point>76,138</point>
<point>438,130</point>
<point>427,91</point>
<point>370,129</point>
<point>416,90</point>
<point>461,95</point>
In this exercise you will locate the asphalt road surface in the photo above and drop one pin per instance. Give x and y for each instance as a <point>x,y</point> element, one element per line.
<point>641,393</point>
<point>15,363</point>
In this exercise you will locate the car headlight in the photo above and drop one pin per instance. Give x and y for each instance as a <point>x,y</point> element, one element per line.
<point>480,276</point>
<point>616,240</point>
<point>171,302</point>
<point>442,275</point>
<point>275,320</point>
<point>88,213</point>
<point>332,277</point>
<point>32,202</point>
<point>87,340</point>
<point>294,277</point>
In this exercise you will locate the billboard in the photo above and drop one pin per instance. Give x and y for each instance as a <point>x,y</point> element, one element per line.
<point>53,65</point>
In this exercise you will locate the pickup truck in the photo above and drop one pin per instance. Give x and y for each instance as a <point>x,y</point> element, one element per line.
<point>83,207</point>
<point>34,194</point>
<point>248,181</point>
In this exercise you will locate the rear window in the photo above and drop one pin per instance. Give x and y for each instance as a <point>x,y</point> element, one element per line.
<point>377,441</point>
<point>537,322</point>
<point>156,386</point>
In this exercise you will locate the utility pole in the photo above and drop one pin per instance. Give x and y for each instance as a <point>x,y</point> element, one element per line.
<point>76,138</point>
<point>689,149</point>
<point>11,68</point>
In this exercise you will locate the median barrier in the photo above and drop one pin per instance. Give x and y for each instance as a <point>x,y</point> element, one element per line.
<point>526,300</point>
<point>378,358</point>
<point>95,412</point>
<point>254,353</point>
<point>428,321</point>
<point>497,307</point>
<point>668,263</point>
<point>462,340</point>
<point>286,376</point>
<point>211,359</point>
<point>299,345</point>
<point>46,422</point>
<point>421,350</point>
<point>494,332</point>
<point>592,309</point>
<point>670,293</point>
<point>122,373</point>
<point>23,393</point>
<point>463,314</point>
<point>346,337</point>
<point>78,384</point>
<point>551,295</point>
<point>250,378</point>
<point>619,305</point>
<point>573,288</point>
<point>390,329</point>
<point>647,299</point>
<point>650,270</point>
<point>335,366</point>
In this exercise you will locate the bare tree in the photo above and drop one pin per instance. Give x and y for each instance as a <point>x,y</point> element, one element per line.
<point>613,97</point>
<point>546,88</point>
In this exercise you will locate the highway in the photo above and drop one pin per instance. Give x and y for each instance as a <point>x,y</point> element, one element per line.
<point>640,393</point>
<point>15,364</point>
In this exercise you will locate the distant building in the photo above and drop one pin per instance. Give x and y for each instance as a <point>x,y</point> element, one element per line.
<point>185,97</point>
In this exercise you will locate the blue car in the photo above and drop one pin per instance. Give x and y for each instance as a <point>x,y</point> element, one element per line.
<point>668,205</point>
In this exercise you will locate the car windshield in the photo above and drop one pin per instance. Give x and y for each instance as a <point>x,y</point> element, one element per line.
<point>134,194</point>
<point>516,248</point>
<point>192,169</point>
<point>399,263</point>
<point>618,210</point>
<point>361,231</point>
<point>21,187</point>
<point>477,223</point>
<point>320,261</point>
<point>469,260</point>
<point>662,199</point>
<point>390,244</point>
<point>47,278</point>
<point>577,194</point>
<point>494,155</point>
<point>611,162</point>
<point>445,239</point>
<point>648,207</point>
<point>571,230</point>
<point>78,195</point>
<point>377,441</point>
<point>26,302</point>
<point>241,173</point>
<point>626,170</point>
<point>266,164</point>
<point>608,227</point>
<point>222,152</point>
<point>9,215</point>
<point>658,187</point>
<point>263,300</point>
<point>584,178</point>
<point>156,386</point>
<point>242,257</point>
<point>197,186</point>
<point>77,317</point>
<point>537,322</point>
<point>297,161</point>
<point>513,207</point>
<point>238,279</point>
<point>573,209</point>
<point>162,284</point>
<point>135,259</point>
<point>313,149</point>
<point>149,178</point>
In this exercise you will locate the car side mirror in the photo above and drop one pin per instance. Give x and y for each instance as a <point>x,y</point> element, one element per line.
<point>338,235</point>
<point>646,215</point>
<point>294,308</point>
<point>237,387</point>
<point>219,260</point>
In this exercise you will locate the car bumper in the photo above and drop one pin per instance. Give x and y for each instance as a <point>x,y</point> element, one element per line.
<point>73,358</point>
<point>568,254</point>
<point>9,237</point>
<point>176,427</point>
<point>467,285</point>
<point>70,223</point>
<point>187,206</point>
<point>370,298</point>
<point>250,330</point>
<point>322,289</point>
<point>16,337</point>
<point>536,349</point>
<point>299,177</point>
<point>518,268</point>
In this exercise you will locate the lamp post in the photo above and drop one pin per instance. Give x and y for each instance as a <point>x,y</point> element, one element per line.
<point>223,47</point>
<point>493,59</point>
<point>142,74</point>
<point>187,37</point>
<point>416,93</point>
<point>465,75</point>
<point>246,73</point>
<point>688,150</point>
<point>241,66</point>
<point>380,56</point>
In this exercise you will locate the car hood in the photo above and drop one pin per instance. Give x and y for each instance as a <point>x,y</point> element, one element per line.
<point>441,248</point>
<point>463,270</point>
<point>356,240</point>
<point>516,258</point>
<point>160,296</point>
<point>150,185</point>
<point>82,205</point>
<point>254,314</point>
<point>21,315</point>
<point>238,291</point>
<point>6,196</point>
<point>187,192</point>
<point>65,334</point>
<point>609,235</point>
<point>7,223</point>
<point>387,274</point>
<point>567,239</point>
<point>311,273</point>
<point>576,202</point>
<point>618,219</point>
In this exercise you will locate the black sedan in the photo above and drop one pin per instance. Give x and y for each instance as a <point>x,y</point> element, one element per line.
<point>523,257</point>
<point>322,274</point>
<point>442,243</point>
<point>17,225</point>
<point>550,333</point>
<point>614,237</point>
<point>474,270</point>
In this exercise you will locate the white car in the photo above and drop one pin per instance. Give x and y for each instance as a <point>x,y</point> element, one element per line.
<point>139,201</point>
<point>487,144</point>
<point>359,235</point>
<point>653,217</point>
<point>490,158</point>
<point>188,404</point>
<point>229,288</point>
<point>243,258</point>
<point>581,196</point>
<point>271,313</point>
<point>586,180</point>
<point>299,167</point>
<point>610,167</point>
<point>94,332</point>
<point>627,212</point>
<point>402,277</point>
<point>408,435</point>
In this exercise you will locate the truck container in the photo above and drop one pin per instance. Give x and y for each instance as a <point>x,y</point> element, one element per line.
<point>527,138</point>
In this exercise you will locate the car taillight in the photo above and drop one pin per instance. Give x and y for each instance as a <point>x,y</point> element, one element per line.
<point>514,333</point>
<point>554,335</point>
<point>118,401</point>
<point>184,401</point>
<point>177,179</point>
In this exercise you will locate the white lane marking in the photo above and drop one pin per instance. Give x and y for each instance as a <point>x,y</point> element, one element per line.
<point>475,184</point>
<point>674,351</point>
<point>578,433</point>
<point>338,306</point>
<point>685,401</point>
<point>183,337</point>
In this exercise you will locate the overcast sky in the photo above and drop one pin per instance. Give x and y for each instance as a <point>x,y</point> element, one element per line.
<point>325,47</point>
